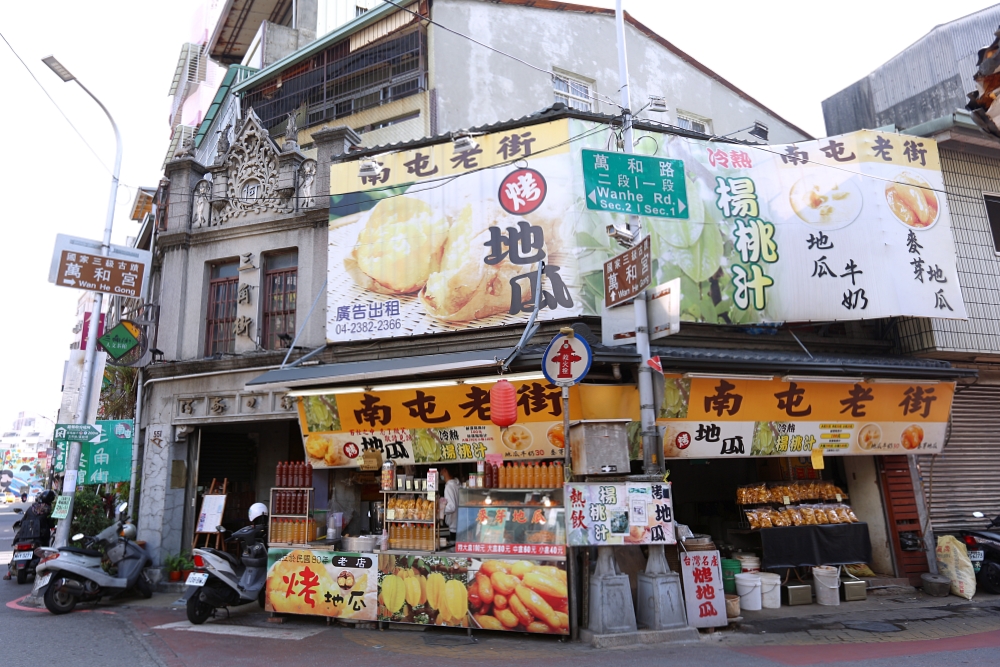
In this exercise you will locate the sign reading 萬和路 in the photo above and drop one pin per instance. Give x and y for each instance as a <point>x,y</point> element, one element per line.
<point>634,184</point>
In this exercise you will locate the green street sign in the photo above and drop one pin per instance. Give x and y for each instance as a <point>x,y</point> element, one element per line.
<point>75,432</point>
<point>634,184</point>
<point>105,461</point>
<point>120,340</point>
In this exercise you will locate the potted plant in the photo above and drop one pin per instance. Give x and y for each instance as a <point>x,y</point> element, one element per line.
<point>186,565</point>
<point>174,564</point>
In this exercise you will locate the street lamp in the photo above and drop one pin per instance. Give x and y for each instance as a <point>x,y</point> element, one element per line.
<point>73,460</point>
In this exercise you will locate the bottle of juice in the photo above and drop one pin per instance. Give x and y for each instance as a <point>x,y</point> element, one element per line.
<point>502,477</point>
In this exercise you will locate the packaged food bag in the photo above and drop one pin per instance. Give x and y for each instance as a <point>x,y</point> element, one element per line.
<point>953,562</point>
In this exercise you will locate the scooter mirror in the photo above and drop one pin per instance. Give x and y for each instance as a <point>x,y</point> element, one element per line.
<point>122,507</point>
<point>18,510</point>
<point>979,515</point>
<point>77,537</point>
<point>220,529</point>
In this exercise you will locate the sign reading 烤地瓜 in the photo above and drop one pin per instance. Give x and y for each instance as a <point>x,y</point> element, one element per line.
<point>80,263</point>
<point>567,360</point>
<point>627,274</point>
<point>704,596</point>
<point>634,184</point>
<point>843,228</point>
<point>733,417</point>
<point>322,583</point>
<point>619,513</point>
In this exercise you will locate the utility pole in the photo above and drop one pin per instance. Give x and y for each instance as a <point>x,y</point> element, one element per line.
<point>651,455</point>
<point>73,458</point>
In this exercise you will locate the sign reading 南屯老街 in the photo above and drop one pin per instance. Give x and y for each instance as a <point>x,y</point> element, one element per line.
<point>448,424</point>
<point>842,228</point>
<point>731,417</point>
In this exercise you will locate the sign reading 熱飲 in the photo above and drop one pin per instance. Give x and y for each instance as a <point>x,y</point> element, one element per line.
<point>634,184</point>
<point>619,513</point>
<point>80,263</point>
<point>627,274</point>
<point>703,592</point>
<point>731,417</point>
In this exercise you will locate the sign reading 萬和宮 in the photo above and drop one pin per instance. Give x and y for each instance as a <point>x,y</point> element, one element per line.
<point>106,458</point>
<point>842,228</point>
<point>634,184</point>
<point>735,417</point>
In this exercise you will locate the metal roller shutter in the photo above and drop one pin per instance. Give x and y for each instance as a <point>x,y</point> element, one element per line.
<point>965,477</point>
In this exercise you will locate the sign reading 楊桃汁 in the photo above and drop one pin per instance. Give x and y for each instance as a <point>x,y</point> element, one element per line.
<point>704,596</point>
<point>619,513</point>
<point>842,228</point>
<point>634,184</point>
<point>724,417</point>
<point>448,424</point>
<point>105,458</point>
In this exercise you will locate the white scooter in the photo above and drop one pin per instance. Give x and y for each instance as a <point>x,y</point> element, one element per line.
<point>220,580</point>
<point>67,575</point>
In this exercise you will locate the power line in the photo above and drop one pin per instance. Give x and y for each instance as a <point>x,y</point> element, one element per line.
<point>82,138</point>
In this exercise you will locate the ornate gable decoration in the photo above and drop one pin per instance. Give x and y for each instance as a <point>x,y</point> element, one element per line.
<point>251,168</point>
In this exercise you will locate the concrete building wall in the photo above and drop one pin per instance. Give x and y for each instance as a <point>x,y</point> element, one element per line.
<point>476,86</point>
<point>866,500</point>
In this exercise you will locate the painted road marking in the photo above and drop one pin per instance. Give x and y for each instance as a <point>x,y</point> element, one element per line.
<point>242,630</point>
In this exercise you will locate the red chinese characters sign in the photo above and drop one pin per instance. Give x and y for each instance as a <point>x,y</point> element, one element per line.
<point>703,594</point>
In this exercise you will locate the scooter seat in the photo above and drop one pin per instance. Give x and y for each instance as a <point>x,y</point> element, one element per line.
<point>82,552</point>
<point>224,555</point>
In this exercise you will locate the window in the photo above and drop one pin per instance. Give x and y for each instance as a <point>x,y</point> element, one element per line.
<point>280,281</point>
<point>694,124</point>
<point>222,286</point>
<point>993,215</point>
<point>572,93</point>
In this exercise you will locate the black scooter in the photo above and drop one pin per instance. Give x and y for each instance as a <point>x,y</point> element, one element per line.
<point>984,552</point>
<point>27,553</point>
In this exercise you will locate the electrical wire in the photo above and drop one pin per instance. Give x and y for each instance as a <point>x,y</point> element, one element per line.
<point>32,74</point>
<point>594,96</point>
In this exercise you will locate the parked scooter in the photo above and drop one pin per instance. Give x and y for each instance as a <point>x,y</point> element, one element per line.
<point>67,575</point>
<point>221,580</point>
<point>983,547</point>
<point>26,553</point>
<point>34,531</point>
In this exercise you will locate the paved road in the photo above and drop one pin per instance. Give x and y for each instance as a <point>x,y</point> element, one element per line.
<point>156,633</point>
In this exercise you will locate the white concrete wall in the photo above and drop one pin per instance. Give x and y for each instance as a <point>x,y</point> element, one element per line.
<point>476,86</point>
<point>866,500</point>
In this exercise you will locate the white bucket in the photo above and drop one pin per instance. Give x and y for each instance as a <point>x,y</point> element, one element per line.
<point>749,563</point>
<point>748,588</point>
<point>826,584</point>
<point>770,590</point>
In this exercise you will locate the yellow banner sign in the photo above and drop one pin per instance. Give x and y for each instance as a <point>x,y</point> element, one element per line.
<point>723,417</point>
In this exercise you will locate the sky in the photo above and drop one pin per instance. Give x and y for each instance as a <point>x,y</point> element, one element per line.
<point>789,55</point>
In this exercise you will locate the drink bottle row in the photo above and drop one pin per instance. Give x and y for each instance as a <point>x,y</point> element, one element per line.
<point>291,502</point>
<point>294,474</point>
<point>408,536</point>
<point>295,531</point>
<point>527,475</point>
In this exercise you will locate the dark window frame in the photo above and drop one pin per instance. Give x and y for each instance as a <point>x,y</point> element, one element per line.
<point>220,316</point>
<point>992,201</point>
<point>278,307</point>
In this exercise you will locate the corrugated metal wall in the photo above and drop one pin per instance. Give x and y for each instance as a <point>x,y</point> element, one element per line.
<point>965,477</point>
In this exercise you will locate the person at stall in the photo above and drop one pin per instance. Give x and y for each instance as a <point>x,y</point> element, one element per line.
<point>450,501</point>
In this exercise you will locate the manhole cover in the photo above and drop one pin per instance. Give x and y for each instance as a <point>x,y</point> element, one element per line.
<point>448,640</point>
<point>874,626</point>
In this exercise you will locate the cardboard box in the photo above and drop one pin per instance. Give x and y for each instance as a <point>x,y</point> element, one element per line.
<point>853,590</point>
<point>794,594</point>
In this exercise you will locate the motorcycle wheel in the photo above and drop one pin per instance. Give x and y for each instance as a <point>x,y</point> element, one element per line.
<point>143,587</point>
<point>22,576</point>
<point>990,577</point>
<point>197,611</point>
<point>59,602</point>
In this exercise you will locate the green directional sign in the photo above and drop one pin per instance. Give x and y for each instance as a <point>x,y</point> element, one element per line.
<point>119,340</point>
<point>105,461</point>
<point>634,184</point>
<point>75,432</point>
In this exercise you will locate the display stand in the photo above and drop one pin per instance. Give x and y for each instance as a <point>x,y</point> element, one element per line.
<point>291,528</point>
<point>406,532</point>
<point>203,529</point>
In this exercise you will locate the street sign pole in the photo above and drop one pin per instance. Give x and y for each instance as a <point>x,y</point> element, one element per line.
<point>647,411</point>
<point>73,460</point>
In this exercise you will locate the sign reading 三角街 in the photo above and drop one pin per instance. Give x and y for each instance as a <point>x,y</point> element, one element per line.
<point>81,263</point>
<point>627,274</point>
<point>703,592</point>
<point>619,513</point>
<point>105,458</point>
<point>449,424</point>
<point>842,228</point>
<point>120,340</point>
<point>722,417</point>
<point>322,583</point>
<point>643,185</point>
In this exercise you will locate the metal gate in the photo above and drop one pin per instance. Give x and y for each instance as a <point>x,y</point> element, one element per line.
<point>904,520</point>
<point>965,477</point>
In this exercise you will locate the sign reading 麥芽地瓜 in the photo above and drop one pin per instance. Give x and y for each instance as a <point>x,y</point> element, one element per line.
<point>80,263</point>
<point>632,184</point>
<point>727,417</point>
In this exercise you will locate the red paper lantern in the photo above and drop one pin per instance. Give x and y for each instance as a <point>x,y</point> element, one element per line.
<point>503,404</point>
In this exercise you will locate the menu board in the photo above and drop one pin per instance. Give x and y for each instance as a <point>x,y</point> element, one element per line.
<point>703,594</point>
<point>620,513</point>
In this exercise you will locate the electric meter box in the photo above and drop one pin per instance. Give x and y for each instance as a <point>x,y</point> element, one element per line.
<point>599,447</point>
